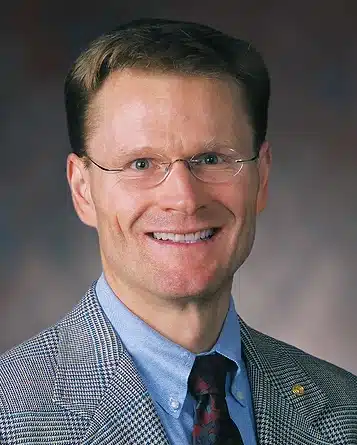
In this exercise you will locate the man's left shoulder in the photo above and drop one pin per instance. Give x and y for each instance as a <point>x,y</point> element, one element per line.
<point>338,383</point>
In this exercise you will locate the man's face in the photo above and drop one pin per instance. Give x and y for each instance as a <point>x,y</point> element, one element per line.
<point>174,116</point>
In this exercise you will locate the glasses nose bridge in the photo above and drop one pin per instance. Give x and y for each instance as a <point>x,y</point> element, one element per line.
<point>186,161</point>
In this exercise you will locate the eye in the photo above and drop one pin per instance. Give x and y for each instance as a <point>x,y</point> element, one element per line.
<point>210,159</point>
<point>140,164</point>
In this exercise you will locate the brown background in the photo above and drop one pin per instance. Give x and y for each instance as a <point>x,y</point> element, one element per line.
<point>300,282</point>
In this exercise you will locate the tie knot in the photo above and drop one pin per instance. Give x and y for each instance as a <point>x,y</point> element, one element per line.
<point>208,375</point>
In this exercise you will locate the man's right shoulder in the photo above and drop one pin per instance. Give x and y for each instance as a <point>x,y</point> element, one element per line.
<point>31,374</point>
<point>29,369</point>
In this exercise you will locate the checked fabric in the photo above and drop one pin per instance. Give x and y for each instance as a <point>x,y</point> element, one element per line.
<point>213,425</point>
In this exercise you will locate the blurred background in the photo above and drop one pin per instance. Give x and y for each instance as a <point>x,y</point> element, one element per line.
<point>300,282</point>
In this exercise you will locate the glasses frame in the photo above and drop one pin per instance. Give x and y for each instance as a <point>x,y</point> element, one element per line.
<point>169,165</point>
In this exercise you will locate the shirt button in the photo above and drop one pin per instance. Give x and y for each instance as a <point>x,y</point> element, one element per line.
<point>175,404</point>
<point>240,395</point>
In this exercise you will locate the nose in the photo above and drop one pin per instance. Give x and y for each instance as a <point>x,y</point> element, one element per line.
<point>182,191</point>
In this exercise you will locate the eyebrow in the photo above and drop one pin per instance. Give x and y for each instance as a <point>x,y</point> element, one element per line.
<point>145,149</point>
<point>213,145</point>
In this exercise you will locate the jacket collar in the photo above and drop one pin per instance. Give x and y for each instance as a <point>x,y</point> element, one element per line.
<point>97,379</point>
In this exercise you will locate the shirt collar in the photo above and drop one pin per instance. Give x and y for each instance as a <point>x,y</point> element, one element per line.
<point>164,365</point>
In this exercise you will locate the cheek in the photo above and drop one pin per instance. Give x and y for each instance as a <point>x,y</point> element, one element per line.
<point>241,198</point>
<point>117,209</point>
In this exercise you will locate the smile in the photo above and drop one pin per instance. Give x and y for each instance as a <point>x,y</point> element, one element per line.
<point>188,238</point>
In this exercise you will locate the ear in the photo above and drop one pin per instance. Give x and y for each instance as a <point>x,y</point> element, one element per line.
<point>79,182</point>
<point>264,165</point>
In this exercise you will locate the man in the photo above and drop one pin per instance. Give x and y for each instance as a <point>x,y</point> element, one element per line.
<point>170,164</point>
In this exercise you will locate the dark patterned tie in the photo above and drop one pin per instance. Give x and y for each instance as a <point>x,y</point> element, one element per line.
<point>213,425</point>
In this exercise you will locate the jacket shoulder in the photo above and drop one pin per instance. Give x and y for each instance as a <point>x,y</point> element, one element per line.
<point>337,383</point>
<point>31,372</point>
<point>28,370</point>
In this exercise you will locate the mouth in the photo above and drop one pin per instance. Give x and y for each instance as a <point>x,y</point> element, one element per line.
<point>200,237</point>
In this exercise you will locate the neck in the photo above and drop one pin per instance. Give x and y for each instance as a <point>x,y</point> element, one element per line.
<point>191,322</point>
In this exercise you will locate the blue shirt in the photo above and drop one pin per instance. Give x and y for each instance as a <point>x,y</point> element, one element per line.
<point>165,367</point>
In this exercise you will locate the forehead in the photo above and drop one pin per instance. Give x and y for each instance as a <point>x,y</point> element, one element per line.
<point>135,108</point>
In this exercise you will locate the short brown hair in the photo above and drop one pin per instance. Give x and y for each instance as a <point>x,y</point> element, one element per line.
<point>166,46</point>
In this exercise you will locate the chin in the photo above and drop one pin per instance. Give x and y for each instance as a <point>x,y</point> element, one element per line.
<point>199,286</point>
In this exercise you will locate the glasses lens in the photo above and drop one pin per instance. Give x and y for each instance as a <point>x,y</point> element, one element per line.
<point>216,175</point>
<point>218,166</point>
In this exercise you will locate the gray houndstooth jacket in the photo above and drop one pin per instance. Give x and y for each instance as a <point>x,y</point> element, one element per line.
<point>74,384</point>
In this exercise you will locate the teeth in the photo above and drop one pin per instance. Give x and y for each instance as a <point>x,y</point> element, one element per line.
<point>187,237</point>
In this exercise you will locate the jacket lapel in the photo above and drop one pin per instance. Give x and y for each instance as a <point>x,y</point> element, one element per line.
<point>126,414</point>
<point>97,379</point>
<point>282,417</point>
